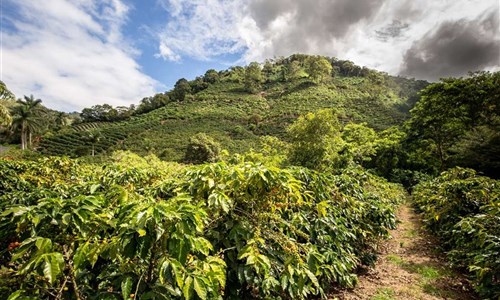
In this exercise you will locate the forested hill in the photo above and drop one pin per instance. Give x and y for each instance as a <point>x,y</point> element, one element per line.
<point>236,106</point>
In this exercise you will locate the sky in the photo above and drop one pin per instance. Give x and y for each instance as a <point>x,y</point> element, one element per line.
<point>78,53</point>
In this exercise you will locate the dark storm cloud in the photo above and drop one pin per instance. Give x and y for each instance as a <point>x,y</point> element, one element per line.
<point>314,22</point>
<point>455,48</point>
<point>393,30</point>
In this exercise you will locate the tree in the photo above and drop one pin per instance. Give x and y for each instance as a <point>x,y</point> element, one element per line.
<point>360,142</point>
<point>198,85</point>
<point>27,118</point>
<point>151,103</point>
<point>99,113</point>
<point>211,76</point>
<point>5,117</point>
<point>5,95</point>
<point>93,137</point>
<point>202,148</point>
<point>449,112</point>
<point>253,78</point>
<point>61,120</point>
<point>293,70</point>
<point>268,70</point>
<point>318,68</point>
<point>315,140</point>
<point>181,89</point>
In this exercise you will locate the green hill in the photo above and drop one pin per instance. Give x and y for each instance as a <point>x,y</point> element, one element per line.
<point>235,109</point>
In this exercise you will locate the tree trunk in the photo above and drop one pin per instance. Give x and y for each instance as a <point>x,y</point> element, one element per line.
<point>23,137</point>
<point>29,143</point>
<point>93,152</point>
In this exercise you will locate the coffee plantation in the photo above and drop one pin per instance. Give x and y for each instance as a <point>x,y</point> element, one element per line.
<point>220,230</point>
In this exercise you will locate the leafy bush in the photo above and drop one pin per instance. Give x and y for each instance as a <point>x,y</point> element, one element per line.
<point>201,149</point>
<point>245,230</point>
<point>463,209</point>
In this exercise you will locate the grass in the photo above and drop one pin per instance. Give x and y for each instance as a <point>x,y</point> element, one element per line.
<point>435,290</point>
<point>411,233</point>
<point>427,272</point>
<point>384,294</point>
<point>395,259</point>
<point>430,278</point>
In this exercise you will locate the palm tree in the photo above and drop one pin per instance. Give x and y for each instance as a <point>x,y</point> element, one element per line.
<point>93,137</point>
<point>26,117</point>
<point>61,120</point>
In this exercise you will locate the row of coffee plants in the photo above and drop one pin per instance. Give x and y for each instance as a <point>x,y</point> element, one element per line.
<point>463,209</point>
<point>241,230</point>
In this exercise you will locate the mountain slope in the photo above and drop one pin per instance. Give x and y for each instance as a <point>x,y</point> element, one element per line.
<point>226,110</point>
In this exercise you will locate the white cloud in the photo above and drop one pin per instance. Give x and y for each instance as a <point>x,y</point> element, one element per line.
<point>260,29</point>
<point>71,54</point>
<point>203,29</point>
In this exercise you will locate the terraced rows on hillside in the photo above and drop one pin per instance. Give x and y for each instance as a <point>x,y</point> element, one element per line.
<point>234,117</point>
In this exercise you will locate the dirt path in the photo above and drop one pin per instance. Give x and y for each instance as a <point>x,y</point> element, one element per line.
<point>409,267</point>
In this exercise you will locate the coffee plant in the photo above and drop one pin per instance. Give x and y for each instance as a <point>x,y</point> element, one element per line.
<point>130,230</point>
<point>463,209</point>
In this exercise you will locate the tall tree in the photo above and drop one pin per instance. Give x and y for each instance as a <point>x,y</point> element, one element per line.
<point>93,137</point>
<point>293,70</point>
<point>5,117</point>
<point>319,68</point>
<point>315,140</point>
<point>5,95</point>
<point>27,118</point>
<point>458,116</point>
<point>61,120</point>
<point>253,77</point>
<point>181,89</point>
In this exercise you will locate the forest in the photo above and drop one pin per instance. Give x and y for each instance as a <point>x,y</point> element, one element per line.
<point>277,180</point>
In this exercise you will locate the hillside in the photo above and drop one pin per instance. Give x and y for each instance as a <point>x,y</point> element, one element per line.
<point>235,116</point>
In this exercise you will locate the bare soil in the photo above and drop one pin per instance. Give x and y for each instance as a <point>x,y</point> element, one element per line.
<point>410,266</point>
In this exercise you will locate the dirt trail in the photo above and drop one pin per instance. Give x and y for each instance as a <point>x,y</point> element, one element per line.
<point>409,267</point>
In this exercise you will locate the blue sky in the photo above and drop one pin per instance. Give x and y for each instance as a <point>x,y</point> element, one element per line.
<point>77,53</point>
<point>146,19</point>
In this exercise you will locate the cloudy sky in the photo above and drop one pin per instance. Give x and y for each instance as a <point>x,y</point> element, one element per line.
<point>78,53</point>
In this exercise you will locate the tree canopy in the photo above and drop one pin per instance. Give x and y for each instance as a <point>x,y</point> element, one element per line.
<point>457,117</point>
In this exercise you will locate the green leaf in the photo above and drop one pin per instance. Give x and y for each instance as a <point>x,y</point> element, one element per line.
<point>25,246</point>
<point>200,288</point>
<point>54,263</point>
<point>202,245</point>
<point>312,277</point>
<point>126,287</point>
<point>187,289</point>
<point>141,232</point>
<point>66,219</point>
<point>80,255</point>
<point>94,188</point>
<point>16,295</point>
<point>44,245</point>
<point>16,211</point>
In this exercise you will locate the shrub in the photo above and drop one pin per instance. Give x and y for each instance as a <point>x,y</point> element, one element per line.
<point>463,209</point>
<point>202,148</point>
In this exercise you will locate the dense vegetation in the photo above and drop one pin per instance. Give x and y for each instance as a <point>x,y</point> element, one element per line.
<point>235,229</point>
<point>463,209</point>
<point>457,122</point>
<point>237,106</point>
<point>293,211</point>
